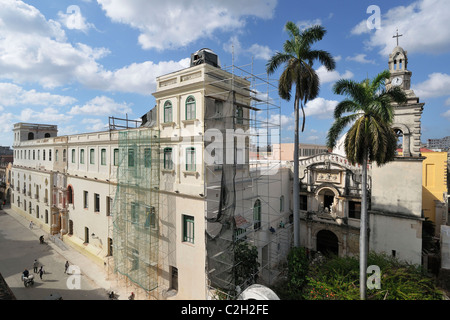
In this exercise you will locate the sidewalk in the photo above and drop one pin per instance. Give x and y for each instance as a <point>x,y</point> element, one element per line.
<point>88,268</point>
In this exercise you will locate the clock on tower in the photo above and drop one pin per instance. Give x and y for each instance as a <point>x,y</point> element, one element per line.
<point>398,62</point>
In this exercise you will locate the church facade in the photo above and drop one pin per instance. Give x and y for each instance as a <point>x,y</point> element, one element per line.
<point>330,192</point>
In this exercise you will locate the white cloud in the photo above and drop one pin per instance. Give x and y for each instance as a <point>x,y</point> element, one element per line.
<point>177,23</point>
<point>446,114</point>
<point>136,78</point>
<point>422,23</point>
<point>234,46</point>
<point>95,125</point>
<point>260,52</point>
<point>312,138</point>
<point>436,85</point>
<point>13,95</point>
<point>361,58</point>
<point>326,76</point>
<point>305,24</point>
<point>104,106</point>
<point>321,108</point>
<point>45,116</point>
<point>33,49</point>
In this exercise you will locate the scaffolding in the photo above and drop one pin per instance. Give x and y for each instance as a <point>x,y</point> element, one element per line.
<point>135,209</point>
<point>240,205</point>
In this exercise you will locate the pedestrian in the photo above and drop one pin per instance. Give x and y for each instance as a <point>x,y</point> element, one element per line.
<point>66,266</point>
<point>35,266</point>
<point>25,274</point>
<point>31,225</point>
<point>41,272</point>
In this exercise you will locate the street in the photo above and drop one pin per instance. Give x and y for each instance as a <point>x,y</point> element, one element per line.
<point>19,247</point>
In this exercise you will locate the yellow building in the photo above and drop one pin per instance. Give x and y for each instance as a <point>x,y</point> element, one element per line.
<point>434,187</point>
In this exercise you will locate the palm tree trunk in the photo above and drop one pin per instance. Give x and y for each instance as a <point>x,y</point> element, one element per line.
<point>296,191</point>
<point>363,243</point>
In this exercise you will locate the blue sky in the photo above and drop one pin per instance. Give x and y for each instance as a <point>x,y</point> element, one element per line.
<point>75,63</point>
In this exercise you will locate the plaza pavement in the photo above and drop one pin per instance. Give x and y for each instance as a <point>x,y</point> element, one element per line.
<point>21,246</point>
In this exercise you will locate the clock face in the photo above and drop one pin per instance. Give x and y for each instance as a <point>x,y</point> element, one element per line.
<point>397,81</point>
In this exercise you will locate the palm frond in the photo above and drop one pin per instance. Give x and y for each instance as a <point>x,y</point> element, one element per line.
<point>276,61</point>
<point>324,57</point>
<point>379,80</point>
<point>292,30</point>
<point>346,106</point>
<point>353,90</point>
<point>285,84</point>
<point>312,35</point>
<point>338,127</point>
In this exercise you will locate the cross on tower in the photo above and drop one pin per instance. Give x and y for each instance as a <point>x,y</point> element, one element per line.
<point>397,36</point>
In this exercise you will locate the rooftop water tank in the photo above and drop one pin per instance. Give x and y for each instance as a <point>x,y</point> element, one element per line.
<point>205,55</point>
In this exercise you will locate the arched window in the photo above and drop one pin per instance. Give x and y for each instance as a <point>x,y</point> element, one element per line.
<point>168,111</point>
<point>190,108</point>
<point>69,194</point>
<point>257,215</point>
<point>30,135</point>
<point>47,135</point>
<point>399,134</point>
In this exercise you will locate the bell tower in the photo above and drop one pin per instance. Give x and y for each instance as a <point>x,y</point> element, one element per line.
<point>407,117</point>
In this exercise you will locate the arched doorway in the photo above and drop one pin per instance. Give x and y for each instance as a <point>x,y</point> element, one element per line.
<point>326,197</point>
<point>327,242</point>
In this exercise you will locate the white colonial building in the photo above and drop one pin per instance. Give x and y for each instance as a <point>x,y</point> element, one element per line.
<point>163,205</point>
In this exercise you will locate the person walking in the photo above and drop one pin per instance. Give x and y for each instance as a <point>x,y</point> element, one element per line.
<point>35,266</point>
<point>41,272</point>
<point>66,266</point>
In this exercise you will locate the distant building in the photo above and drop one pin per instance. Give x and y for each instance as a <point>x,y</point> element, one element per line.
<point>434,184</point>
<point>443,143</point>
<point>285,151</point>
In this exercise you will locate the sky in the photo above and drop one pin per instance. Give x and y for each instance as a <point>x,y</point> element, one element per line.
<point>75,63</point>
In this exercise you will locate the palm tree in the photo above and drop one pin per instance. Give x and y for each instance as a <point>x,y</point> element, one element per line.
<point>298,58</point>
<point>370,112</point>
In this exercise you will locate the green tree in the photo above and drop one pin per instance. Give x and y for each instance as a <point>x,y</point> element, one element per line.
<point>369,110</point>
<point>298,58</point>
<point>246,268</point>
<point>298,266</point>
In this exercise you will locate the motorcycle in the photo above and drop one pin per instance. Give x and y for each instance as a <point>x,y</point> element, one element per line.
<point>28,281</point>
